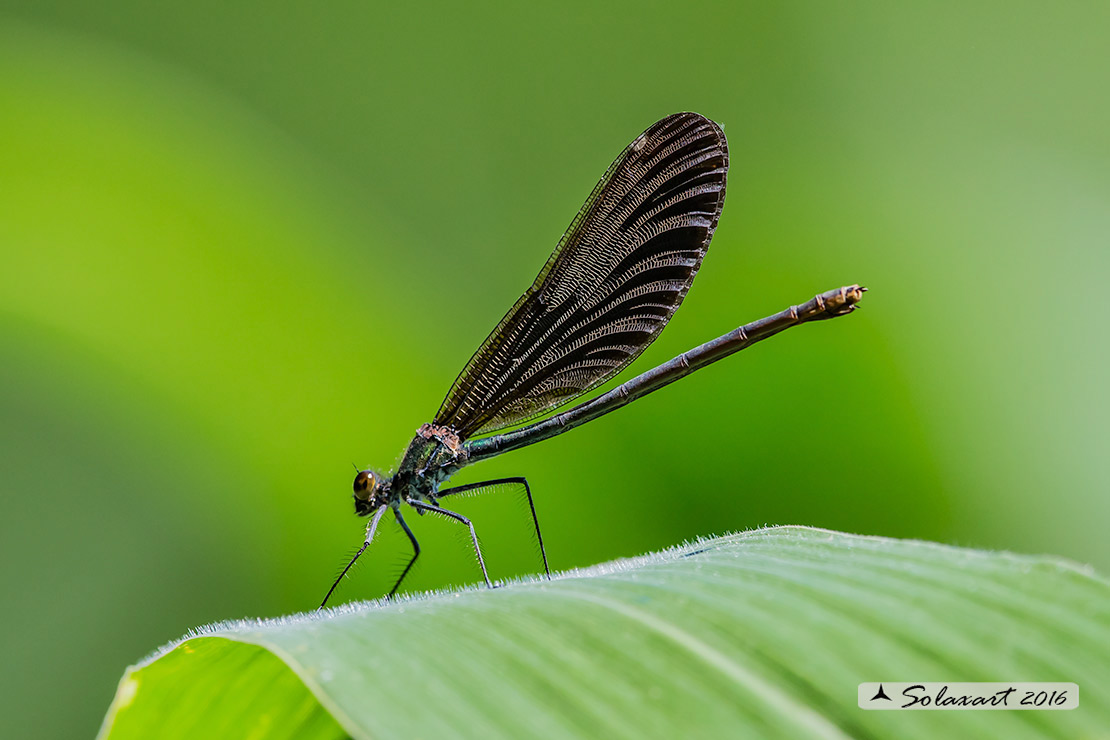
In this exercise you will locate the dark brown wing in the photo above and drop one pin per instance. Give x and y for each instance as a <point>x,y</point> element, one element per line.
<point>615,279</point>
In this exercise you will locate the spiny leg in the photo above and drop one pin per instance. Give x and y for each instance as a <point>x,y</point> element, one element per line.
<point>370,530</point>
<point>415,551</point>
<point>501,481</point>
<point>421,506</point>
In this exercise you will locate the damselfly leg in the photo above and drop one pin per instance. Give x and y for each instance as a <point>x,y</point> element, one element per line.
<point>415,552</point>
<point>421,506</point>
<point>478,488</point>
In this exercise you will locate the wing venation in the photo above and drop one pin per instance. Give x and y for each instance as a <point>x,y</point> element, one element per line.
<point>615,279</point>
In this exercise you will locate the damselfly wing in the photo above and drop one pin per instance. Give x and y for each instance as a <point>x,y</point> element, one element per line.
<point>612,284</point>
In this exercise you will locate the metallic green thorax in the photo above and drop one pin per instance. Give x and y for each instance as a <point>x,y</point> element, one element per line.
<point>433,455</point>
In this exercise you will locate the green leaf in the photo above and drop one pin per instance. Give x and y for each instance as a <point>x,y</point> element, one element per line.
<point>761,634</point>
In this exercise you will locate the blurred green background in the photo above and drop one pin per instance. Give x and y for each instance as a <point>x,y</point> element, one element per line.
<point>243,246</point>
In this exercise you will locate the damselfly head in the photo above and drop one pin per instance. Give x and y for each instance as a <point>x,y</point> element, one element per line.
<point>367,487</point>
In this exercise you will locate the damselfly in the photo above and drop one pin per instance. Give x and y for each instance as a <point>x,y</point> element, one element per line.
<point>614,281</point>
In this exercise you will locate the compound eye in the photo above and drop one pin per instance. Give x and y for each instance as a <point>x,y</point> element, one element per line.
<point>365,483</point>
